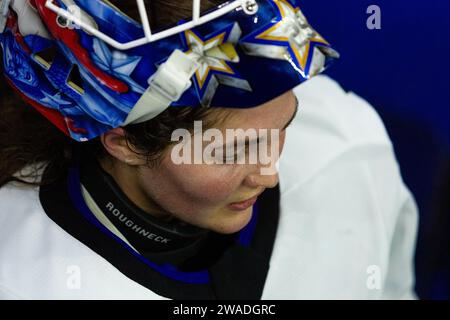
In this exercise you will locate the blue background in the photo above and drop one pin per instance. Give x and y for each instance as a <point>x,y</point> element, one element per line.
<point>402,70</point>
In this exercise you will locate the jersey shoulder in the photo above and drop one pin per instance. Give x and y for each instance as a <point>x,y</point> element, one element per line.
<point>19,223</point>
<point>331,124</point>
<point>17,202</point>
<point>40,260</point>
<point>333,111</point>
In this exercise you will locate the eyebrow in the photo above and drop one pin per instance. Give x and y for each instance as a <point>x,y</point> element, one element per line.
<point>294,115</point>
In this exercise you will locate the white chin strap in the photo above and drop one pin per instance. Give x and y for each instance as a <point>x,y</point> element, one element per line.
<point>167,85</point>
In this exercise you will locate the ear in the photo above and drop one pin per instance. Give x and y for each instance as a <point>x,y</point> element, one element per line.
<point>115,143</point>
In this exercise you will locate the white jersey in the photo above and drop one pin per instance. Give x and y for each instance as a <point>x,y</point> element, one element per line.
<point>347,226</point>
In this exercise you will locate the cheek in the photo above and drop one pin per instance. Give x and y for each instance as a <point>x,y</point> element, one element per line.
<point>210,184</point>
<point>190,189</point>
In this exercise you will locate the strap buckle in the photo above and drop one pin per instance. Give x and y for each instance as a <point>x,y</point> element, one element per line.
<point>172,78</point>
<point>166,85</point>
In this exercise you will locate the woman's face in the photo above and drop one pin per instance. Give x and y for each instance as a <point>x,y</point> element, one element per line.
<point>204,194</point>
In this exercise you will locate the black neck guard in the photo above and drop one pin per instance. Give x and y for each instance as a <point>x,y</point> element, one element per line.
<point>227,267</point>
<point>152,237</point>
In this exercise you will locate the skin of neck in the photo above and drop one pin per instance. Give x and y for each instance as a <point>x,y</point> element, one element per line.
<point>126,178</point>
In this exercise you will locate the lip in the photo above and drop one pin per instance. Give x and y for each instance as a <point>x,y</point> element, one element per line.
<point>243,205</point>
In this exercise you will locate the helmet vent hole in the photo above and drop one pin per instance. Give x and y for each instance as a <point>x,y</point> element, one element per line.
<point>74,79</point>
<point>46,57</point>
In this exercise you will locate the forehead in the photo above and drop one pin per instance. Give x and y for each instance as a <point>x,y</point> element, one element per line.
<point>272,114</point>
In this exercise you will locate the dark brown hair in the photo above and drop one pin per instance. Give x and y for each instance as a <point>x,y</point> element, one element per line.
<point>29,140</point>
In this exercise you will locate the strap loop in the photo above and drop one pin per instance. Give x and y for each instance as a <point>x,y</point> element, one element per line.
<point>167,85</point>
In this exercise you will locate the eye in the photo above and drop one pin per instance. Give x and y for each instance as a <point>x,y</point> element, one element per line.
<point>231,155</point>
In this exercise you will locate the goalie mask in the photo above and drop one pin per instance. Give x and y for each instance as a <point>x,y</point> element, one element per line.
<point>89,68</point>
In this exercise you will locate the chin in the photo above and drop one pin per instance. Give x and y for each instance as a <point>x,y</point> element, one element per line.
<point>233,221</point>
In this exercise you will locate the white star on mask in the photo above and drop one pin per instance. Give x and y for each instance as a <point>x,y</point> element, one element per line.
<point>117,63</point>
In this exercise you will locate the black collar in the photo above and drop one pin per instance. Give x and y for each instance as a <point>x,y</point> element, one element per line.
<point>166,242</point>
<point>226,267</point>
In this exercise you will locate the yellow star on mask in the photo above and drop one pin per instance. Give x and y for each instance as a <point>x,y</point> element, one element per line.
<point>214,56</point>
<point>290,38</point>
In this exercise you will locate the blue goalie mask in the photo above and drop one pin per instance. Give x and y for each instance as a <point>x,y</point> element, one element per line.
<point>89,68</point>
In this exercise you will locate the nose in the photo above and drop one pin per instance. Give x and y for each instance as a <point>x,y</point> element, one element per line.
<point>259,178</point>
